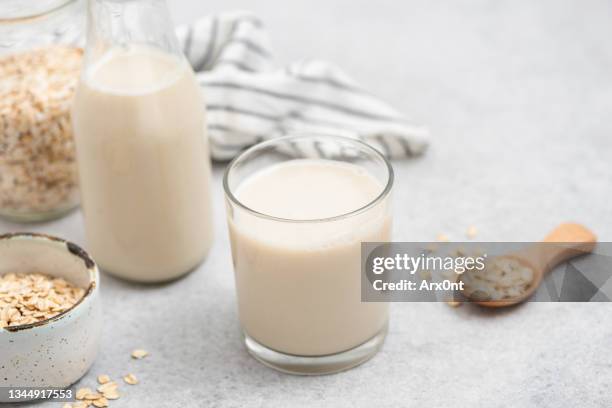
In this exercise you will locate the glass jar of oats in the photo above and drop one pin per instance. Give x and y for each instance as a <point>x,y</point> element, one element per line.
<point>40,60</point>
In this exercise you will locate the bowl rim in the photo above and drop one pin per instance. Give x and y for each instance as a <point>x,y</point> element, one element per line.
<point>71,249</point>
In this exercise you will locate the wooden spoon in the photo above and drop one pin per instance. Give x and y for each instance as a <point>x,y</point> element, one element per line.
<point>571,240</point>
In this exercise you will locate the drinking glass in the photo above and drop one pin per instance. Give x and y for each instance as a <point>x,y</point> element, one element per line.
<point>298,280</point>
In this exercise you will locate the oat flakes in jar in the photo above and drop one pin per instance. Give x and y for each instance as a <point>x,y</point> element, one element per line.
<point>40,62</point>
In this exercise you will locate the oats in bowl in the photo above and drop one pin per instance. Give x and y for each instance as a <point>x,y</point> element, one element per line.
<point>34,297</point>
<point>51,322</point>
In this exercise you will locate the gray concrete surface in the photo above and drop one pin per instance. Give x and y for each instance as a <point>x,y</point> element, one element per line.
<point>518,95</point>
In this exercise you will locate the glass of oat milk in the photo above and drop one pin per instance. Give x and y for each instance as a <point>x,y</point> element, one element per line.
<point>142,151</point>
<point>298,209</point>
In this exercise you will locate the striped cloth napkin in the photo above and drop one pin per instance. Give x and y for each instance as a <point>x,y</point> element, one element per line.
<point>250,99</point>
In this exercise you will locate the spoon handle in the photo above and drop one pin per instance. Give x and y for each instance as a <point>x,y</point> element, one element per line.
<point>564,242</point>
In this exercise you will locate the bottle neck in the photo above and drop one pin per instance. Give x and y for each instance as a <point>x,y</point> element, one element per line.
<point>123,23</point>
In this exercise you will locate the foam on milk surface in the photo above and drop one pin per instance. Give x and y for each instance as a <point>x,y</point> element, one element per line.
<point>309,189</point>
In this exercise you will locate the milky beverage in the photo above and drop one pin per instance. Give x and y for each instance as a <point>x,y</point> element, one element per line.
<point>298,284</point>
<point>139,126</point>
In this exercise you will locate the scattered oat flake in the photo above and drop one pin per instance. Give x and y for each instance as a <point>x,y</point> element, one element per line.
<point>111,394</point>
<point>103,379</point>
<point>106,391</point>
<point>101,402</point>
<point>471,232</point>
<point>82,392</point>
<point>442,238</point>
<point>111,385</point>
<point>92,396</point>
<point>130,379</point>
<point>139,354</point>
<point>67,405</point>
<point>453,303</point>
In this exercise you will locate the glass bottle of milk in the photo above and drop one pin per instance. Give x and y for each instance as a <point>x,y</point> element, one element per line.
<point>142,149</point>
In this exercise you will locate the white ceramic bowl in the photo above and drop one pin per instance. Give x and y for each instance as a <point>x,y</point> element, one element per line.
<point>56,352</point>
